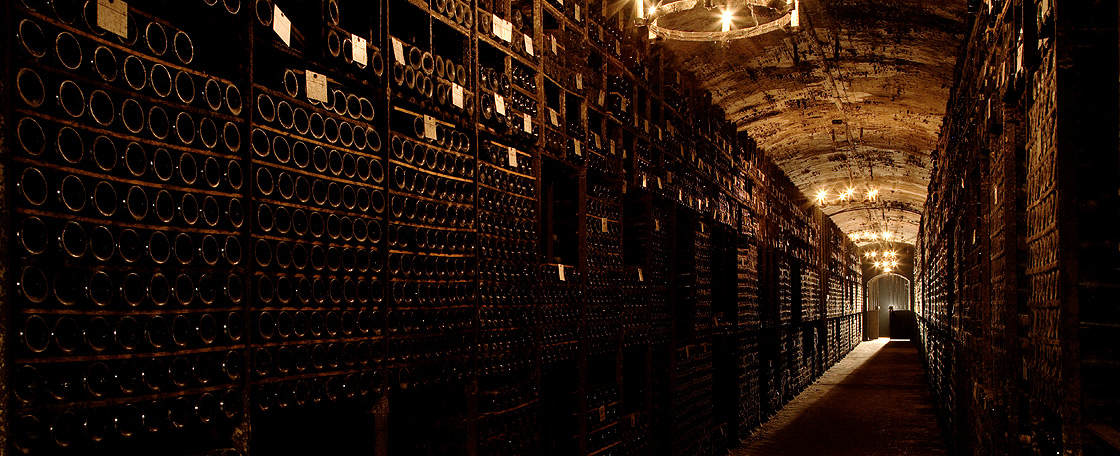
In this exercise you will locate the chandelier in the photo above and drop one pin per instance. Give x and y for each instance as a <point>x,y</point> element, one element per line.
<point>789,15</point>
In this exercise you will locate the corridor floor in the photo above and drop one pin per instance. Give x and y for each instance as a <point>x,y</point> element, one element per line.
<point>873,402</point>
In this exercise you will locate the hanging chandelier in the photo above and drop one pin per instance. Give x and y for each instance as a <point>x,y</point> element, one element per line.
<point>788,16</point>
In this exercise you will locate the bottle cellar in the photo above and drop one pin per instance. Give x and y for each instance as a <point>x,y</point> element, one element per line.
<point>398,227</point>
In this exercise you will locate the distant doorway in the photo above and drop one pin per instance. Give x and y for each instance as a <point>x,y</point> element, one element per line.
<point>888,296</point>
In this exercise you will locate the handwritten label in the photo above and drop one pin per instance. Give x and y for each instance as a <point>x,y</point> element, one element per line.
<point>358,49</point>
<point>529,45</point>
<point>503,29</point>
<point>512,157</point>
<point>429,127</point>
<point>457,95</point>
<point>112,15</point>
<point>398,52</point>
<point>527,123</point>
<point>500,104</point>
<point>561,269</point>
<point>316,86</point>
<point>282,25</point>
<point>603,225</point>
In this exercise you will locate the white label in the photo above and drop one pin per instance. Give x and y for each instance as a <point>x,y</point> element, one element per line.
<point>577,147</point>
<point>554,117</point>
<point>429,127</point>
<point>603,225</point>
<point>358,49</point>
<point>112,15</point>
<point>527,123</point>
<point>398,51</point>
<point>560,267</point>
<point>316,86</point>
<point>529,45</point>
<point>503,29</point>
<point>456,95</point>
<point>579,81</point>
<point>512,157</point>
<point>554,44</point>
<point>578,18</point>
<point>640,279</point>
<point>282,25</point>
<point>500,104</point>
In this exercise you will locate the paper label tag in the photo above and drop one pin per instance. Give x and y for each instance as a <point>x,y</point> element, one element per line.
<point>640,278</point>
<point>577,147</point>
<point>656,225</point>
<point>316,86</point>
<point>602,413</point>
<point>503,29</point>
<point>512,157</point>
<point>659,133</point>
<point>529,45</point>
<point>598,142</point>
<point>554,117</point>
<point>499,104</point>
<point>579,81</point>
<point>610,145</point>
<point>578,18</point>
<point>618,44</point>
<point>358,45</point>
<point>282,25</point>
<point>554,44</point>
<point>429,127</point>
<point>398,51</point>
<point>659,182</point>
<point>561,269</point>
<point>112,15</point>
<point>603,225</point>
<point>602,97</point>
<point>647,125</point>
<point>643,181</point>
<point>701,227</point>
<point>527,123</point>
<point>456,95</point>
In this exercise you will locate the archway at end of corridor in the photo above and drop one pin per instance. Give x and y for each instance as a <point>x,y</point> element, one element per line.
<point>888,312</point>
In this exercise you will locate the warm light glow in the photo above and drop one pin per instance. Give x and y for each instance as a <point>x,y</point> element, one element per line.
<point>727,16</point>
<point>822,195</point>
<point>641,8</point>
<point>872,194</point>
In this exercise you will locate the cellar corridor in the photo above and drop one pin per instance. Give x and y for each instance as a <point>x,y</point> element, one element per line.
<point>873,402</point>
<point>559,227</point>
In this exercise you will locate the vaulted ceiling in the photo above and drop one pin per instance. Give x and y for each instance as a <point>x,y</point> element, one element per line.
<point>852,100</point>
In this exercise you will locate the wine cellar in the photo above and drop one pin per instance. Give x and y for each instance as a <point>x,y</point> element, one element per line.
<point>400,228</point>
